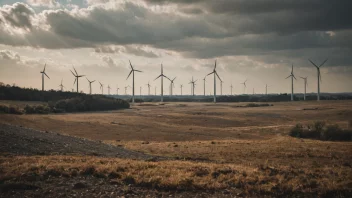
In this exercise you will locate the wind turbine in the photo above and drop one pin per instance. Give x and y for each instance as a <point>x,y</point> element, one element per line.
<point>61,85</point>
<point>148,88</point>
<point>231,89</point>
<point>132,71</point>
<point>215,74</point>
<point>244,86</point>
<point>266,89</point>
<point>109,89</point>
<point>305,85</point>
<point>102,88</point>
<point>77,77</point>
<point>193,85</point>
<point>181,89</point>
<point>117,91</point>
<point>319,76</point>
<point>126,90</point>
<point>90,85</point>
<point>221,87</point>
<point>140,91</point>
<point>204,84</point>
<point>172,85</point>
<point>292,76</point>
<point>43,73</point>
<point>155,91</point>
<point>162,76</point>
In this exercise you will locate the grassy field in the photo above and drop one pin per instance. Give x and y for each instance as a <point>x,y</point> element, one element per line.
<point>245,150</point>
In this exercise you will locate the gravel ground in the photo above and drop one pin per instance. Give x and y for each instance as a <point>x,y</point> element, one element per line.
<point>17,140</point>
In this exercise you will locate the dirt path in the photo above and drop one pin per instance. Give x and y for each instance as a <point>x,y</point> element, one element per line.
<point>23,141</point>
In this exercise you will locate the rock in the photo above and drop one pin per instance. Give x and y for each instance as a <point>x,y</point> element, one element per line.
<point>79,185</point>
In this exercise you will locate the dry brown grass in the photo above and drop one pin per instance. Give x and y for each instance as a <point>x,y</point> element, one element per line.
<point>172,175</point>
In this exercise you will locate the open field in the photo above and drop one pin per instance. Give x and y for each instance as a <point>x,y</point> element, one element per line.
<point>221,149</point>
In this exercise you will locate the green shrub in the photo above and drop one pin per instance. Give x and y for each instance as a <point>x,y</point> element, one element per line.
<point>39,109</point>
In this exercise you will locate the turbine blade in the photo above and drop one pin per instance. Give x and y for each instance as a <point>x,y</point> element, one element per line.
<point>46,75</point>
<point>174,79</point>
<point>215,65</point>
<point>158,77</point>
<point>137,70</point>
<point>218,76</point>
<point>294,77</point>
<point>81,76</point>
<point>75,81</point>
<point>210,73</point>
<point>129,74</point>
<point>288,77</point>
<point>75,71</point>
<point>87,79</point>
<point>44,67</point>
<point>323,63</point>
<point>92,81</point>
<point>313,63</point>
<point>130,64</point>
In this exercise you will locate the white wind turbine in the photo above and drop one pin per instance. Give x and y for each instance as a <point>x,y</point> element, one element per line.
<point>193,85</point>
<point>319,76</point>
<point>61,86</point>
<point>231,89</point>
<point>181,89</point>
<point>102,88</point>
<point>76,77</point>
<point>172,85</point>
<point>244,86</point>
<point>90,85</point>
<point>305,85</point>
<point>43,73</point>
<point>109,89</point>
<point>148,88</point>
<point>266,89</point>
<point>292,76</point>
<point>215,74</point>
<point>162,76</point>
<point>117,91</point>
<point>132,72</point>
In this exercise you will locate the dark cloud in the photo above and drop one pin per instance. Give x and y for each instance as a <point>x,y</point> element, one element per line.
<point>18,15</point>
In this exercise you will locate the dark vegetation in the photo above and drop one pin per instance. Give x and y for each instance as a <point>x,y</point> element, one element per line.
<point>321,131</point>
<point>58,102</point>
<point>237,98</point>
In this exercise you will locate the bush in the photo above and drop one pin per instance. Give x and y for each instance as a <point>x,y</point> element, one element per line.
<point>296,131</point>
<point>4,109</point>
<point>10,110</point>
<point>40,109</point>
<point>321,131</point>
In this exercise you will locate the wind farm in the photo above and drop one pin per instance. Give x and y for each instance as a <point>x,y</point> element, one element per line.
<point>205,99</point>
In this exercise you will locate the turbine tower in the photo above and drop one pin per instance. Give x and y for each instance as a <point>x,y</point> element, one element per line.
<point>132,71</point>
<point>244,86</point>
<point>215,74</point>
<point>90,85</point>
<point>76,77</point>
<point>181,89</point>
<point>292,76</point>
<point>43,73</point>
<point>305,85</point>
<point>148,88</point>
<point>231,89</point>
<point>204,84</point>
<point>102,88</point>
<point>319,76</point>
<point>126,90</point>
<point>221,87</point>
<point>162,76</point>
<point>117,91</point>
<point>266,89</point>
<point>61,86</point>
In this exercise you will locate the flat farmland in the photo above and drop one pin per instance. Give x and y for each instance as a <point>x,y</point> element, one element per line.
<point>219,150</point>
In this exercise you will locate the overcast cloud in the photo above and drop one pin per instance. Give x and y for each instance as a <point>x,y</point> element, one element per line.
<point>246,36</point>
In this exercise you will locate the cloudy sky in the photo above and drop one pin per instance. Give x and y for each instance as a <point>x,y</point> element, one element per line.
<point>257,40</point>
